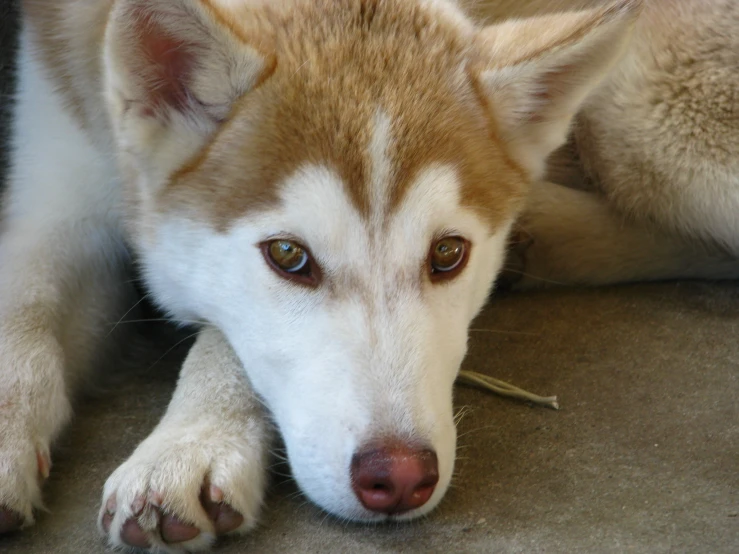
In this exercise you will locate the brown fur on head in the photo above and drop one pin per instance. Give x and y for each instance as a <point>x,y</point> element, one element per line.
<point>324,68</point>
<point>338,64</point>
<point>314,75</point>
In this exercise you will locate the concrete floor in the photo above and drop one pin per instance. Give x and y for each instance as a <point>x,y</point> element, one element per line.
<point>643,457</point>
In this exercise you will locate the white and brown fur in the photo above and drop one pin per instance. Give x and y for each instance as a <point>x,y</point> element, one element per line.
<point>651,170</point>
<point>190,131</point>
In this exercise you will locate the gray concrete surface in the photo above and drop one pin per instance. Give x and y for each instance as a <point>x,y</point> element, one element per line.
<point>643,457</point>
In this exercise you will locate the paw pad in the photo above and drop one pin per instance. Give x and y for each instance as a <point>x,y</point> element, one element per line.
<point>148,513</point>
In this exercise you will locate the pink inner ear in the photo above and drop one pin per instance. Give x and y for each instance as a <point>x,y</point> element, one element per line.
<point>165,66</point>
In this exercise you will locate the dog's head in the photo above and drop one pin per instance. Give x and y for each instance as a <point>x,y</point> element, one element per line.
<point>331,183</point>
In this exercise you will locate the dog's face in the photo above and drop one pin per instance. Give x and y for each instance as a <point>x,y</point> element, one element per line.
<point>351,326</point>
<point>350,316</point>
<point>331,184</point>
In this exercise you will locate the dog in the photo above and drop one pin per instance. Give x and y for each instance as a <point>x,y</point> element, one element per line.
<point>647,186</point>
<point>329,190</point>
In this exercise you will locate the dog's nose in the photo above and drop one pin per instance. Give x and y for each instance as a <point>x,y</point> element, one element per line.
<point>395,478</point>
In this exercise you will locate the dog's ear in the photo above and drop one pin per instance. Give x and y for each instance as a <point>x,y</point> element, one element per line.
<point>536,73</point>
<point>173,71</point>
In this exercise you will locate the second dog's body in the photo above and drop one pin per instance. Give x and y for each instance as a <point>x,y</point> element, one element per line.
<point>656,150</point>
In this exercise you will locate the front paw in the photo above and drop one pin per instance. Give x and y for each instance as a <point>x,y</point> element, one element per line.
<point>182,488</point>
<point>23,467</point>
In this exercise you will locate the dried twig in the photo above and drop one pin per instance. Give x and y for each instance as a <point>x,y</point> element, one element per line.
<point>502,388</point>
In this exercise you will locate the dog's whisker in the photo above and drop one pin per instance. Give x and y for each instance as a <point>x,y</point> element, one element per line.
<point>324,519</point>
<point>532,276</point>
<point>461,413</point>
<point>277,460</point>
<point>139,280</point>
<point>478,429</point>
<point>139,301</point>
<point>504,332</point>
<point>171,348</point>
<point>160,320</point>
<point>292,495</point>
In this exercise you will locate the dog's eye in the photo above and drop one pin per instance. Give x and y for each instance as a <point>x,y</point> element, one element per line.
<point>448,257</point>
<point>289,256</point>
<point>291,261</point>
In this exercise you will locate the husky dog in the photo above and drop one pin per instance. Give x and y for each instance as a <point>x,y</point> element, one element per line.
<point>328,187</point>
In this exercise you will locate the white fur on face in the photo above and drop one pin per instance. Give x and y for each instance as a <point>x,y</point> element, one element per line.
<point>373,352</point>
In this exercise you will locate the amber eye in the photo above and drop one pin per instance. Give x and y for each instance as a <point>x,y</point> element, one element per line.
<point>288,255</point>
<point>448,257</point>
<point>290,260</point>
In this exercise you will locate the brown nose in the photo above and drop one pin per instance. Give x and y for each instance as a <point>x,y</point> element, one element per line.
<point>392,479</point>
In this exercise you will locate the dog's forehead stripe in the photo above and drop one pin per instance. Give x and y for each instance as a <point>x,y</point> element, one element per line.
<point>381,171</point>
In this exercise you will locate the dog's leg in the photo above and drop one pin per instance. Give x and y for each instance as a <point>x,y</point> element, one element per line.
<point>572,237</point>
<point>201,472</point>
<point>61,282</point>
<point>57,294</point>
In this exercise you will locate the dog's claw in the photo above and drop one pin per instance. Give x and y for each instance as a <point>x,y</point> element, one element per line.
<point>107,520</point>
<point>215,494</point>
<point>44,463</point>
<point>34,463</point>
<point>224,517</point>
<point>110,508</point>
<point>137,507</point>
<point>168,526</point>
<point>156,499</point>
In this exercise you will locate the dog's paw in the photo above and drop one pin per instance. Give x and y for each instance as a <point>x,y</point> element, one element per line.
<point>181,489</point>
<point>23,468</point>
